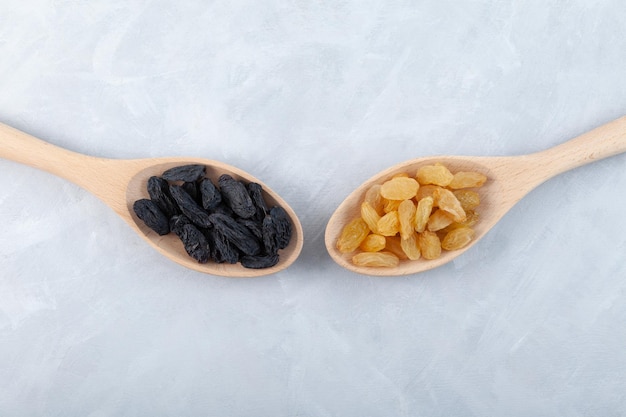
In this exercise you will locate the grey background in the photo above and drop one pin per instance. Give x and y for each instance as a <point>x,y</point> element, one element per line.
<point>312,98</point>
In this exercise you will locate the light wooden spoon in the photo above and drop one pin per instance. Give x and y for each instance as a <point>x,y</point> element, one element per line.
<point>119,183</point>
<point>509,179</point>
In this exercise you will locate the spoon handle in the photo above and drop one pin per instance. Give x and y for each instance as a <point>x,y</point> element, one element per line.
<point>599,143</point>
<point>83,170</point>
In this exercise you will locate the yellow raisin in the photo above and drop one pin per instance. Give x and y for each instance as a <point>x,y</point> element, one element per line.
<point>429,244</point>
<point>391,205</point>
<point>389,224</point>
<point>457,238</point>
<point>465,179</point>
<point>399,188</point>
<point>406,216</point>
<point>375,259</point>
<point>422,213</point>
<point>434,174</point>
<point>426,191</point>
<point>447,201</point>
<point>373,243</point>
<point>372,196</point>
<point>471,219</point>
<point>352,235</point>
<point>394,245</point>
<point>438,220</point>
<point>370,216</point>
<point>410,247</point>
<point>469,199</point>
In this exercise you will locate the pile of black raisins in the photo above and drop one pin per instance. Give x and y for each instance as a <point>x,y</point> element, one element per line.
<point>227,222</point>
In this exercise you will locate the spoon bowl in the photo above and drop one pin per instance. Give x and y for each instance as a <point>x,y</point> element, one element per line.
<point>119,183</point>
<point>509,179</point>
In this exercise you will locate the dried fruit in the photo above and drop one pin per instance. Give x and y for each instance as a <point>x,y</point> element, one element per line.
<point>222,208</point>
<point>185,173</point>
<point>370,216</point>
<point>469,199</point>
<point>457,238</point>
<point>471,219</point>
<point>447,201</point>
<point>283,226</point>
<point>148,211</point>
<point>352,235</point>
<point>434,174</point>
<point>399,188</point>
<point>268,236</point>
<point>406,216</point>
<point>438,220</point>
<point>373,197</point>
<point>391,205</point>
<point>422,213</point>
<point>254,226</point>
<point>222,250</point>
<point>211,226</point>
<point>375,259</point>
<point>417,217</point>
<point>159,192</point>
<point>429,244</point>
<point>464,179</point>
<point>210,195</point>
<point>238,235</point>
<point>236,196</point>
<point>389,224</point>
<point>192,189</point>
<point>427,191</point>
<point>258,262</point>
<point>373,243</point>
<point>177,222</point>
<point>394,245</point>
<point>410,247</point>
<point>196,244</point>
<point>189,207</point>
<point>256,195</point>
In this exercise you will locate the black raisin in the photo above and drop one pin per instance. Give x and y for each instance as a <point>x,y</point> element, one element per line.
<point>196,244</point>
<point>222,250</point>
<point>192,189</point>
<point>254,226</point>
<point>159,192</point>
<point>259,262</point>
<point>270,235</point>
<point>256,194</point>
<point>236,196</point>
<point>189,207</point>
<point>185,173</point>
<point>177,222</point>
<point>152,216</point>
<point>211,196</point>
<point>283,226</point>
<point>237,234</point>
<point>224,209</point>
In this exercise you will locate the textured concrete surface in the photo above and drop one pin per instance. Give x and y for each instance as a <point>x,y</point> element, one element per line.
<point>313,98</point>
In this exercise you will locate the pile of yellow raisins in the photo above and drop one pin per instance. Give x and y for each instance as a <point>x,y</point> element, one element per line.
<point>414,217</point>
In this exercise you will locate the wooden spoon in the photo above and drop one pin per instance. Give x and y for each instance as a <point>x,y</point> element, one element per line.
<point>509,179</point>
<point>119,183</point>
